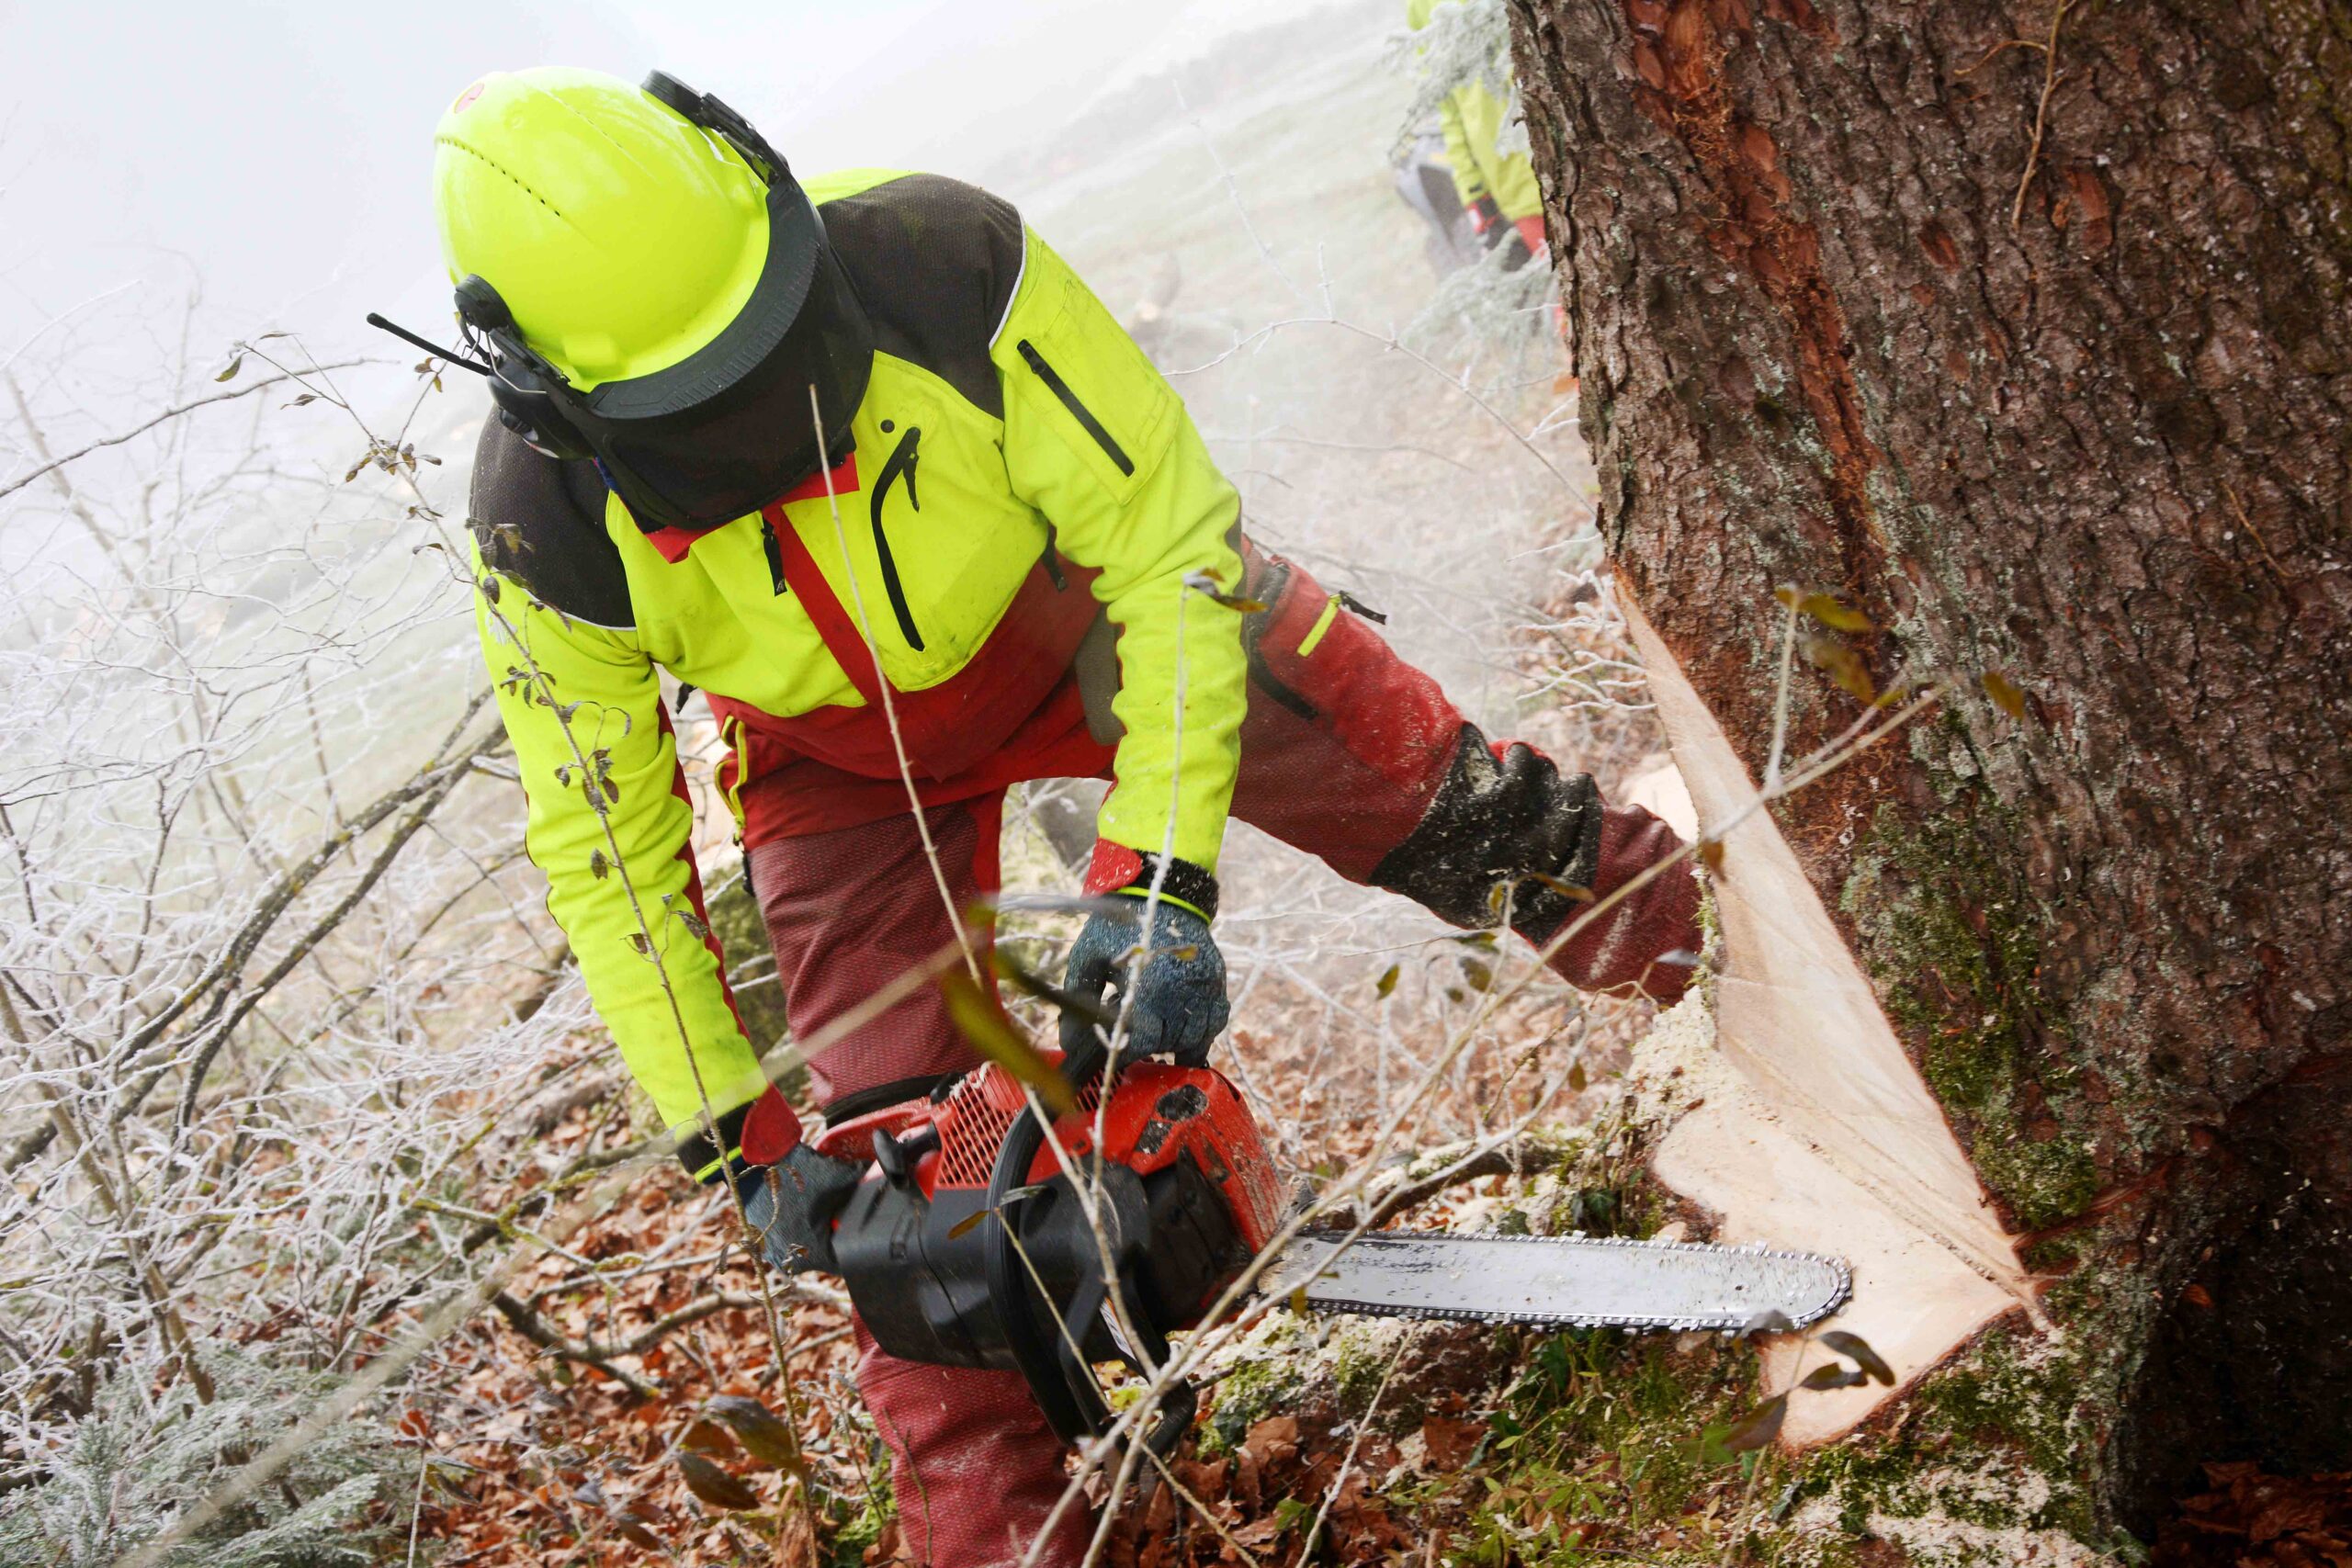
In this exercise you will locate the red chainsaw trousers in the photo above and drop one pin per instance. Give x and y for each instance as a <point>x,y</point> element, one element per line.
<point>1347,752</point>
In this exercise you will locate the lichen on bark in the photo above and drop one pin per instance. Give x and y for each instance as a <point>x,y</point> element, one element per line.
<point>1955,948</point>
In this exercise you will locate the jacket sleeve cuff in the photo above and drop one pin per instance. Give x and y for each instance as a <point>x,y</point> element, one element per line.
<point>1118,869</point>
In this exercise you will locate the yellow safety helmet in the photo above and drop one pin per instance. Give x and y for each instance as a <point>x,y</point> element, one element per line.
<point>622,236</point>
<point>646,284</point>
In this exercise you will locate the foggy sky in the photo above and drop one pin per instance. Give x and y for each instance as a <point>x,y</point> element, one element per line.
<point>275,155</point>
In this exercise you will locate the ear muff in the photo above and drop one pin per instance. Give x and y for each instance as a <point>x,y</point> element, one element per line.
<point>522,384</point>
<point>536,419</point>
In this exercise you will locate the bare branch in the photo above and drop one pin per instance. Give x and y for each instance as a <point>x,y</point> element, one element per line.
<point>177,410</point>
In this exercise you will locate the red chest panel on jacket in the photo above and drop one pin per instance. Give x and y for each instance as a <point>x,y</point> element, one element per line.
<point>947,728</point>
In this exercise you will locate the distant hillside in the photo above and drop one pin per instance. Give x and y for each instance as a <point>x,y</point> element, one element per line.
<point>1235,67</point>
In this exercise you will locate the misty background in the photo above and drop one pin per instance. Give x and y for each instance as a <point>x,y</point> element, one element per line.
<point>273,160</point>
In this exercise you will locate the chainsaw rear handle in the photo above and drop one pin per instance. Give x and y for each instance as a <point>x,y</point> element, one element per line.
<point>1057,1376</point>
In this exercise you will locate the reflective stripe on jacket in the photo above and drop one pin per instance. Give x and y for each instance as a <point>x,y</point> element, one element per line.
<point>1007,411</point>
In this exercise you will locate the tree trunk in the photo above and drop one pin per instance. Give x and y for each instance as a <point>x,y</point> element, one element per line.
<point>2027,335</point>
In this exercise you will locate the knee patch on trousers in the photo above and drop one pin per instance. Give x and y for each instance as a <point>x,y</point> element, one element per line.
<point>1498,821</point>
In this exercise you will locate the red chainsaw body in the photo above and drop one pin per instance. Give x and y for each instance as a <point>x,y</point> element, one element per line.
<point>1158,1115</point>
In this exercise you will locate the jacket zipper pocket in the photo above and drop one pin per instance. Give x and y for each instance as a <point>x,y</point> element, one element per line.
<point>1053,562</point>
<point>903,458</point>
<point>1079,411</point>
<point>892,586</point>
<point>774,550</point>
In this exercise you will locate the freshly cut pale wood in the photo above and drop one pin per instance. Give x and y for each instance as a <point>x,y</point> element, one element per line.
<point>1913,1298</point>
<point>1828,1138</point>
<point>1657,786</point>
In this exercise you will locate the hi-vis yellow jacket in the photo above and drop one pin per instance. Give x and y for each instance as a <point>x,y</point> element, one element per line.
<point>1471,119</point>
<point>1009,420</point>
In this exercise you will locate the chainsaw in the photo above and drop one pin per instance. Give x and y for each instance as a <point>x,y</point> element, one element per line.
<point>954,1222</point>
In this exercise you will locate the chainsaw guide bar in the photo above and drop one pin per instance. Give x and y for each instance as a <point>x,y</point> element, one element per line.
<point>899,1202</point>
<point>1572,1282</point>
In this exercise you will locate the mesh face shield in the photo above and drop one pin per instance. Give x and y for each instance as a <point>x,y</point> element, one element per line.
<point>728,429</point>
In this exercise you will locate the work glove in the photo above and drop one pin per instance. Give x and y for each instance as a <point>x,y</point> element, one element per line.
<point>791,1193</point>
<point>792,1203</point>
<point>1170,989</point>
<point>1487,220</point>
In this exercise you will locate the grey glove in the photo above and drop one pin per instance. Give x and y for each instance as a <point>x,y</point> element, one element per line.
<point>1178,1004</point>
<point>792,1204</point>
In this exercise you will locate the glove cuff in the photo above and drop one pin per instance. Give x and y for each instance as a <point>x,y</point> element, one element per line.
<point>758,1133</point>
<point>1118,869</point>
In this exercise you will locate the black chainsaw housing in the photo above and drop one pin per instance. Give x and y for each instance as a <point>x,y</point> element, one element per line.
<point>917,1266</point>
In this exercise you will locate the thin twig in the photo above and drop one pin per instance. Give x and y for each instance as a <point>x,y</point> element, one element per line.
<point>1781,692</point>
<point>890,709</point>
<point>1461,1164</point>
<point>1989,55</point>
<point>1355,1441</point>
<point>401,833</point>
<point>528,1323</point>
<point>21,481</point>
<point>1208,1517</point>
<point>2041,110</point>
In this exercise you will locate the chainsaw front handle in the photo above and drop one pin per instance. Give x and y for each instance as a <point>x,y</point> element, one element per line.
<point>1040,1331</point>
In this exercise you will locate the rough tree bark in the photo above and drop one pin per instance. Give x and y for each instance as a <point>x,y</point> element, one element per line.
<point>2026,332</point>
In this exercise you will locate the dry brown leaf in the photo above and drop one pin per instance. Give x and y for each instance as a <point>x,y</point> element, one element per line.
<point>708,1438</point>
<point>629,1529</point>
<point>716,1487</point>
<point>1758,1427</point>
<point>765,1435</point>
<point>1272,1441</point>
<point>1449,1443</point>
<point>2005,694</point>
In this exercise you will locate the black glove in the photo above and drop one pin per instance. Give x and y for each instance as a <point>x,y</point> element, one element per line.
<point>1178,1005</point>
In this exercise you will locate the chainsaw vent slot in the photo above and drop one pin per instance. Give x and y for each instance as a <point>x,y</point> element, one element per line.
<point>968,1153</point>
<point>975,1121</point>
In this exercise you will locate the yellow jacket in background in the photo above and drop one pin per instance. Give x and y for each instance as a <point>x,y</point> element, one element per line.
<point>1471,119</point>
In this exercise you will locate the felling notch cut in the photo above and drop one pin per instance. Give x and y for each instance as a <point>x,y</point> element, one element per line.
<point>1822,1133</point>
